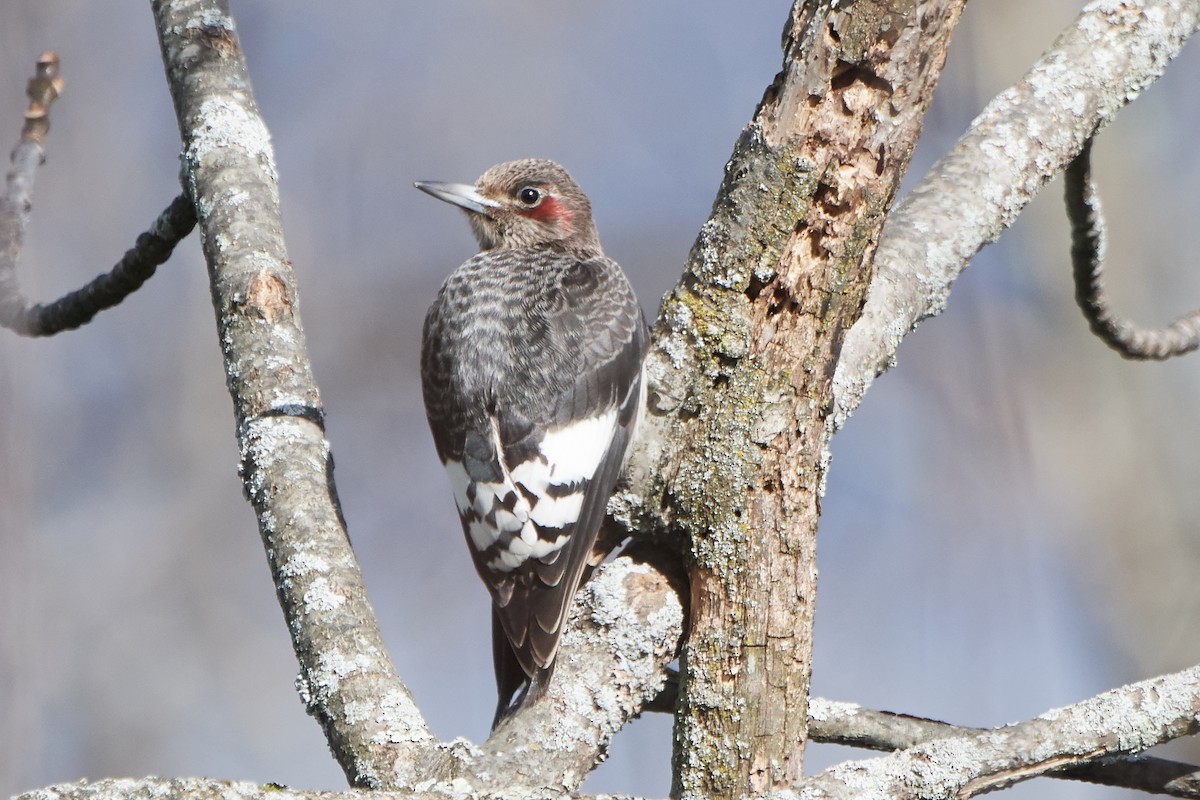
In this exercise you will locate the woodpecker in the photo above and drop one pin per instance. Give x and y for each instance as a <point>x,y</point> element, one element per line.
<point>531,370</point>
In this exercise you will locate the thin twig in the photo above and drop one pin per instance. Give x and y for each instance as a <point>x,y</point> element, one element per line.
<point>43,89</point>
<point>1087,261</point>
<point>135,267</point>
<point>106,290</point>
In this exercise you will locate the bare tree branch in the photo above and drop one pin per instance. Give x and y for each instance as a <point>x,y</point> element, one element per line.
<point>207,789</point>
<point>105,291</point>
<point>1122,721</point>
<point>77,308</point>
<point>345,675</point>
<point>1024,137</point>
<point>626,626</point>
<point>855,726</point>
<point>1087,262</point>
<point>737,444</point>
<point>43,89</point>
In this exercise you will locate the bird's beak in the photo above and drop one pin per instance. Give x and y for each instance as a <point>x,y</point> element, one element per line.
<point>462,195</point>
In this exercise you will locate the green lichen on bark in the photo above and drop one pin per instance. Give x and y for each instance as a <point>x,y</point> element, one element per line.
<point>705,333</point>
<point>866,23</point>
<point>764,193</point>
<point>730,408</point>
<point>701,380</point>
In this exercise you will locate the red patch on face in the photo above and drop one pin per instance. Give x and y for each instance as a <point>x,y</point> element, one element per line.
<point>550,210</point>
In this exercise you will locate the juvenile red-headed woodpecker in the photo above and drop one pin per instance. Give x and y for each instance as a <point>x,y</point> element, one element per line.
<point>531,366</point>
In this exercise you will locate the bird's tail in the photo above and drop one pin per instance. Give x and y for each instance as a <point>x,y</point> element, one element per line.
<point>516,690</point>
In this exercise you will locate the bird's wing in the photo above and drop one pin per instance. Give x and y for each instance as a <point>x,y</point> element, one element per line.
<point>593,313</point>
<point>533,486</point>
<point>533,459</point>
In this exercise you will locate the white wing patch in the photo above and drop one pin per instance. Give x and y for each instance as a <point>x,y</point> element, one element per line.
<point>482,535</point>
<point>573,451</point>
<point>555,512</point>
<point>458,484</point>
<point>569,454</point>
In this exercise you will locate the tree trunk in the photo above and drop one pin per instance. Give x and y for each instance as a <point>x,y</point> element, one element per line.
<point>747,345</point>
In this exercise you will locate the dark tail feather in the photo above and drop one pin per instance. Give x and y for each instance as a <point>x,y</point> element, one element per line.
<point>510,678</point>
<point>514,687</point>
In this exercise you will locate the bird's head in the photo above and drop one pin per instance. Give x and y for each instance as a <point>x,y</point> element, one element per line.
<point>526,203</point>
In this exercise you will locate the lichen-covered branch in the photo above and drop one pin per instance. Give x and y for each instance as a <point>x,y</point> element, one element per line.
<point>1023,138</point>
<point>1123,721</point>
<point>625,628</point>
<point>613,657</point>
<point>731,463</point>
<point>855,726</point>
<point>1119,722</point>
<point>346,677</point>
<point>1087,263</point>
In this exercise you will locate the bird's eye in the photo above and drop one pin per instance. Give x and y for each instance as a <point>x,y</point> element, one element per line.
<point>529,196</point>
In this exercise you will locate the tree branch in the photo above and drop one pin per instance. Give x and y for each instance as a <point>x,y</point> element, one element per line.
<point>346,678</point>
<point>1087,262</point>
<point>1122,721</point>
<point>43,89</point>
<point>1024,137</point>
<point>744,346</point>
<point>855,726</point>
<point>626,626</point>
<point>611,659</point>
<point>137,265</point>
<point>105,291</point>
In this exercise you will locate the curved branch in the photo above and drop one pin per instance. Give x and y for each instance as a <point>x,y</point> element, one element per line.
<point>1025,136</point>
<point>76,308</point>
<point>1087,262</point>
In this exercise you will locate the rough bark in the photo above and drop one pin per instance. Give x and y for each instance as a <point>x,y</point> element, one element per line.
<point>1125,720</point>
<point>228,164</point>
<point>731,465</point>
<point>734,460</point>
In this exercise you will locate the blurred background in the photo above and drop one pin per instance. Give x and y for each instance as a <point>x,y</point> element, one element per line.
<point>1010,520</point>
